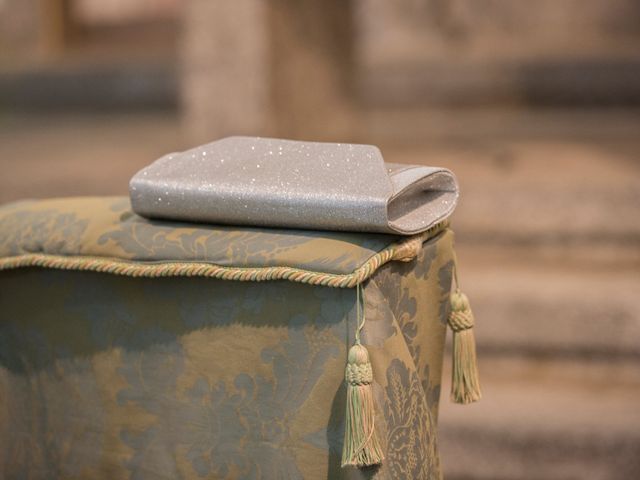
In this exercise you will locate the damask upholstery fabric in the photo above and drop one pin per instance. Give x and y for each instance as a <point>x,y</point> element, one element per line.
<point>107,376</point>
<point>106,227</point>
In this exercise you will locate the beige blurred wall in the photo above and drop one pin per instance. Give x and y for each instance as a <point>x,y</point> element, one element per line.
<point>420,31</point>
<point>316,68</point>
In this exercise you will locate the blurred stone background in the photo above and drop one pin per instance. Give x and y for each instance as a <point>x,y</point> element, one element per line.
<point>536,107</point>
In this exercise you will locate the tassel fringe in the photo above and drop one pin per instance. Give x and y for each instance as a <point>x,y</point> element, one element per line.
<point>361,446</point>
<point>465,383</point>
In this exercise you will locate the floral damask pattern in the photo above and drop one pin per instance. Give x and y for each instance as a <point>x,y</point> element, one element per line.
<point>106,227</point>
<point>445,276</point>
<point>163,241</point>
<point>236,430</point>
<point>411,446</point>
<point>60,439</point>
<point>400,285</point>
<point>35,232</point>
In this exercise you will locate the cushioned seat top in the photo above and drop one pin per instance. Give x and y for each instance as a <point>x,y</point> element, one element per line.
<point>103,234</point>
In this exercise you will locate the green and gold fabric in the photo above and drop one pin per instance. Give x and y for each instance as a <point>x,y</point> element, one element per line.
<point>142,349</point>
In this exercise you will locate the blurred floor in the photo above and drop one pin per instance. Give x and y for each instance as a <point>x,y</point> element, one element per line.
<point>549,246</point>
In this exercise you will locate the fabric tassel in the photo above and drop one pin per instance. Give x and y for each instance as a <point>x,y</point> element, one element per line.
<point>465,383</point>
<point>361,447</point>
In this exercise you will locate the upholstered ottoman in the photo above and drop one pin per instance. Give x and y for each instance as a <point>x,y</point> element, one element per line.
<point>132,348</point>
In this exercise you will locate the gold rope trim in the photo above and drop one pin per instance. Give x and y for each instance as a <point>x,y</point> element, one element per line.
<point>398,251</point>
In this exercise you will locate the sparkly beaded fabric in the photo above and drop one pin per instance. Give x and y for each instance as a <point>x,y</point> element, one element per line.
<point>283,183</point>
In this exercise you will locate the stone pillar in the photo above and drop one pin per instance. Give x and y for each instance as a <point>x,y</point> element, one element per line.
<point>312,68</point>
<point>266,67</point>
<point>32,31</point>
<point>225,69</point>
<point>19,29</point>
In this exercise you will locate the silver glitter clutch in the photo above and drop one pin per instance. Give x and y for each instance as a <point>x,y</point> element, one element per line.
<point>282,183</point>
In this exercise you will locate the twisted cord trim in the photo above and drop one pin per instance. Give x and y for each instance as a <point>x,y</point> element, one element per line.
<point>397,251</point>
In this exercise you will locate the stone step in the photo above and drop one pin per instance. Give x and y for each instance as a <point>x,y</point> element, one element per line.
<point>86,87</point>
<point>535,306</point>
<point>529,189</point>
<point>545,420</point>
<point>589,81</point>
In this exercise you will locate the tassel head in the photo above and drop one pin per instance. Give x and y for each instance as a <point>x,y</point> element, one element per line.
<point>465,384</point>
<point>361,445</point>
<point>460,303</point>
<point>357,359</point>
